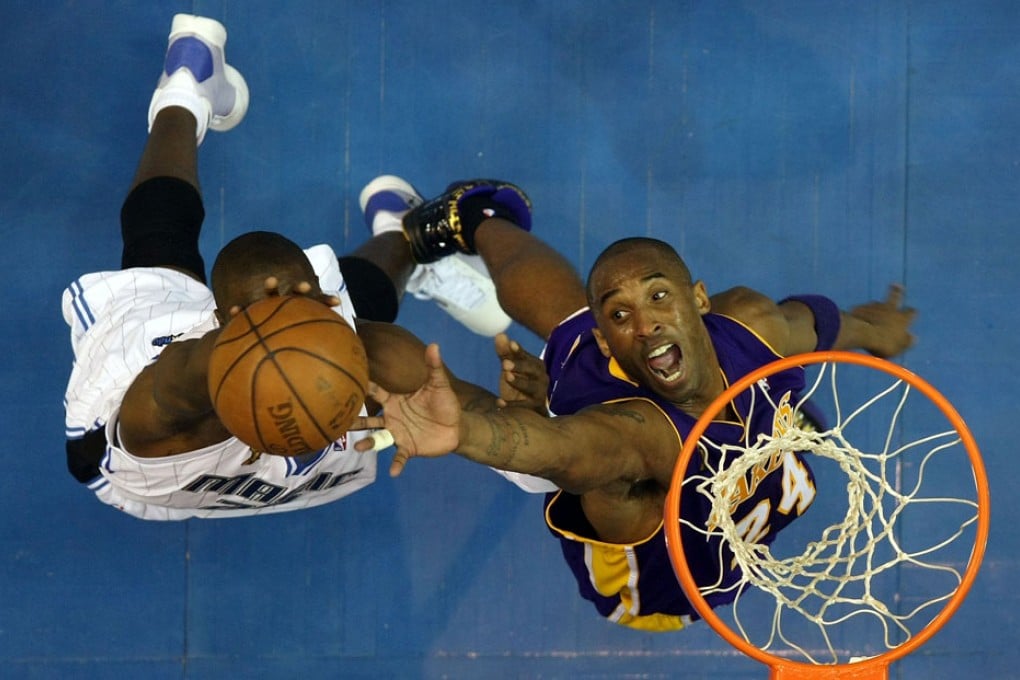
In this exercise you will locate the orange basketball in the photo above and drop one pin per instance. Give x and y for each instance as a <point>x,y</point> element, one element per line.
<point>288,375</point>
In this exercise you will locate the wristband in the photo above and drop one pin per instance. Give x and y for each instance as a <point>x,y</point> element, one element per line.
<point>828,318</point>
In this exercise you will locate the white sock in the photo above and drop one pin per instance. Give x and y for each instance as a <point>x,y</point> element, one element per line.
<point>385,221</point>
<point>180,89</point>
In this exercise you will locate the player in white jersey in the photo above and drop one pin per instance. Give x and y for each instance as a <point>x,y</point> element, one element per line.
<point>120,322</point>
<point>139,421</point>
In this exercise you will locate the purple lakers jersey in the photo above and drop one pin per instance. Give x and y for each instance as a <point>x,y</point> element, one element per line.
<point>634,584</point>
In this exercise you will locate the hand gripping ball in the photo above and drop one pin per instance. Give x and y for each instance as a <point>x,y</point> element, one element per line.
<point>288,375</point>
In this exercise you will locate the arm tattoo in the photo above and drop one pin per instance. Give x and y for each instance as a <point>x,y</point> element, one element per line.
<point>507,435</point>
<point>621,410</point>
<point>479,404</point>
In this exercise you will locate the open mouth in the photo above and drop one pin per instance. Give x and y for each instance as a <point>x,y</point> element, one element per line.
<point>666,362</point>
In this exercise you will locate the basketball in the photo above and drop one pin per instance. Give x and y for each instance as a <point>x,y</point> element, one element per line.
<point>287,375</point>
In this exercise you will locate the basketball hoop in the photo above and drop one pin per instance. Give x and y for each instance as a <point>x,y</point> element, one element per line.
<point>835,577</point>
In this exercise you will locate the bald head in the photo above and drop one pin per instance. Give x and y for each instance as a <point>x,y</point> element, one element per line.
<point>244,264</point>
<point>622,253</point>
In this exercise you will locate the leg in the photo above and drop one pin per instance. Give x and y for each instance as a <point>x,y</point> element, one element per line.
<point>459,284</point>
<point>376,273</point>
<point>536,285</point>
<point>378,270</point>
<point>170,150</point>
<point>163,213</point>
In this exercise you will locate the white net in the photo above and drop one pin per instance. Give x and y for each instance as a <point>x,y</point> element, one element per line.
<point>886,541</point>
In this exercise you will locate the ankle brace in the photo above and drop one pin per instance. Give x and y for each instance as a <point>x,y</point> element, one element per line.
<point>475,209</point>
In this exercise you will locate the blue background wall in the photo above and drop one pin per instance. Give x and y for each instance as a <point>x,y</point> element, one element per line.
<point>791,146</point>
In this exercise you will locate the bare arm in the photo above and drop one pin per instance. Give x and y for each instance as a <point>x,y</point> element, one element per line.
<point>167,409</point>
<point>599,446</point>
<point>395,362</point>
<point>881,327</point>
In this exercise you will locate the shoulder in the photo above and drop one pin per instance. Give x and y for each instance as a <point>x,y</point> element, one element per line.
<point>745,305</point>
<point>754,310</point>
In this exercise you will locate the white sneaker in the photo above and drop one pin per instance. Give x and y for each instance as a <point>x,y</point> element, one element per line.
<point>197,77</point>
<point>461,286</point>
<point>385,200</point>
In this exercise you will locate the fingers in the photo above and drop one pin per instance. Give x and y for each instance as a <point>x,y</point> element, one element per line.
<point>271,286</point>
<point>895,296</point>
<point>378,440</point>
<point>367,423</point>
<point>398,463</point>
<point>502,343</point>
<point>433,359</point>
<point>508,349</point>
<point>895,300</point>
<point>377,393</point>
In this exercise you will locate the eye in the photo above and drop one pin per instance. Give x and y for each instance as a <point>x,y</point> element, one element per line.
<point>659,295</point>
<point>618,315</point>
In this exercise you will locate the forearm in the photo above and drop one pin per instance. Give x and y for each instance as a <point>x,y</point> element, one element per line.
<point>180,377</point>
<point>856,334</point>
<point>472,398</point>
<point>517,440</point>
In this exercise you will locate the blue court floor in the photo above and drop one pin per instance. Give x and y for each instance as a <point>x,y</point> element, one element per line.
<point>792,146</point>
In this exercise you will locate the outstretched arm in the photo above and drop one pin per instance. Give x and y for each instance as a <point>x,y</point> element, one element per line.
<point>793,326</point>
<point>395,364</point>
<point>595,447</point>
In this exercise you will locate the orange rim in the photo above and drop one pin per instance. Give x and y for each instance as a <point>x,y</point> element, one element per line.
<point>875,667</point>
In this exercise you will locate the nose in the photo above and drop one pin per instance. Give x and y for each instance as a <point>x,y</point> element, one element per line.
<point>646,324</point>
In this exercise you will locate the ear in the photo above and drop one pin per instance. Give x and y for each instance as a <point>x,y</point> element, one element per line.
<point>601,341</point>
<point>701,299</point>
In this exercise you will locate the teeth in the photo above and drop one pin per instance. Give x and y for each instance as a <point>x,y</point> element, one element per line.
<point>659,351</point>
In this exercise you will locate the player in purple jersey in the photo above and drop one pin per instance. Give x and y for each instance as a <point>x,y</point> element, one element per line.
<point>633,358</point>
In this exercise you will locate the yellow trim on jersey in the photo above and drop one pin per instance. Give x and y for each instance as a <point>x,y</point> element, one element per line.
<point>654,623</point>
<point>752,332</point>
<point>613,569</point>
<point>617,372</point>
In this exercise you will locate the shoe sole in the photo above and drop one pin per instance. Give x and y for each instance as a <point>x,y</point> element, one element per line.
<point>236,115</point>
<point>209,30</point>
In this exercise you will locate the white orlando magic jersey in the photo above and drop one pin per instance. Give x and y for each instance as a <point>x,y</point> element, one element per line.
<point>120,321</point>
